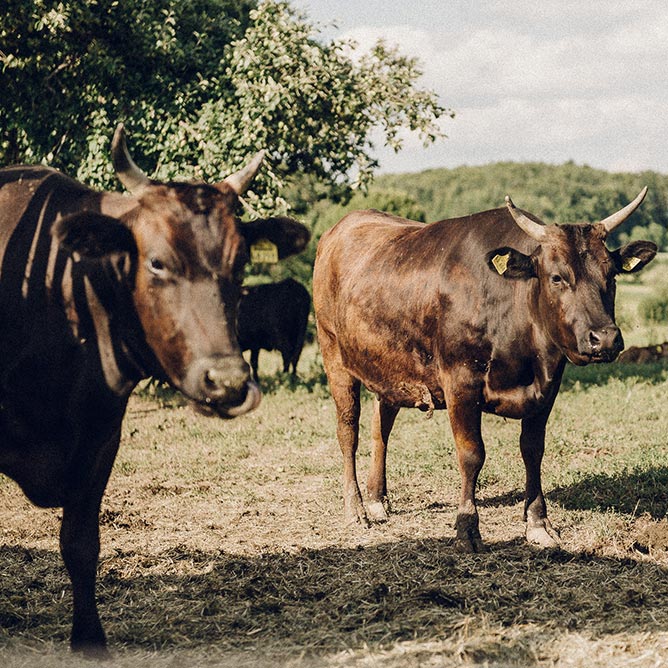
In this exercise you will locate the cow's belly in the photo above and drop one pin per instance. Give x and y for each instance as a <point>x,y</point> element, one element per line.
<point>408,394</point>
<point>35,453</point>
<point>400,381</point>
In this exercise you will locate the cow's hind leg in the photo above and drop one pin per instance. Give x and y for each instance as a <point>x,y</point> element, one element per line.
<point>286,361</point>
<point>294,359</point>
<point>286,355</point>
<point>539,529</point>
<point>465,420</point>
<point>384,416</point>
<point>346,393</point>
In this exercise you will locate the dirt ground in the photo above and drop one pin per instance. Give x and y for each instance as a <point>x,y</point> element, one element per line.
<point>237,557</point>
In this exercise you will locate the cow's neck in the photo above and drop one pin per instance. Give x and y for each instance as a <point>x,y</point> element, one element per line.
<point>516,384</point>
<point>101,315</point>
<point>116,205</point>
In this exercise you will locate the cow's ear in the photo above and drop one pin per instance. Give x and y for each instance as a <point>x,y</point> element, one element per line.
<point>93,235</point>
<point>510,263</point>
<point>634,256</point>
<point>289,236</point>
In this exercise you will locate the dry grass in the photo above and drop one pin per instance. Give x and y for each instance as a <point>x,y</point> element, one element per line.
<point>223,544</point>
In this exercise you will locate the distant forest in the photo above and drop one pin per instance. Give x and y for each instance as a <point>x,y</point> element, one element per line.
<point>565,193</point>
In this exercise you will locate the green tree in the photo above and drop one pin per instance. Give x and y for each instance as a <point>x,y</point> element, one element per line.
<point>71,70</point>
<point>200,84</point>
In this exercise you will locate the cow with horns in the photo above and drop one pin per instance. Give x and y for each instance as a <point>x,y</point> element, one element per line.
<point>98,291</point>
<point>476,314</point>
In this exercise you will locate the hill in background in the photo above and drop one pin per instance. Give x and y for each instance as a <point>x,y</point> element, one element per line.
<point>564,193</point>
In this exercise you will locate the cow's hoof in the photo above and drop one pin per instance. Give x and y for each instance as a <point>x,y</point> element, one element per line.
<point>543,536</point>
<point>376,511</point>
<point>91,651</point>
<point>358,518</point>
<point>470,545</point>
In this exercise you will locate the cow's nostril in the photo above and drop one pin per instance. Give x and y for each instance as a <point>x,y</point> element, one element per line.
<point>212,379</point>
<point>607,340</point>
<point>220,381</point>
<point>594,341</point>
<point>618,343</point>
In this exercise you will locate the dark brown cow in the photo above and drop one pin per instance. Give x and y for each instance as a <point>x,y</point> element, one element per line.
<point>644,354</point>
<point>273,316</point>
<point>97,291</point>
<point>478,314</point>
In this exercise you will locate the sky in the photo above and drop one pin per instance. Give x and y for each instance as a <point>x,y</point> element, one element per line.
<point>529,80</point>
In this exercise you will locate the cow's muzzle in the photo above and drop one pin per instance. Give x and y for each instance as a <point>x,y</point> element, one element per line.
<point>222,386</point>
<point>601,345</point>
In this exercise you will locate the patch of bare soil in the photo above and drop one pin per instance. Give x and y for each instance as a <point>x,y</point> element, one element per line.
<point>651,537</point>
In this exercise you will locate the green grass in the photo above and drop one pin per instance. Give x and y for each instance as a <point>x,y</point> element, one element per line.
<point>631,291</point>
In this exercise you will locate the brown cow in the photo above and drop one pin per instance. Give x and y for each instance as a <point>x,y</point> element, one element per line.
<point>644,354</point>
<point>97,291</point>
<point>479,314</point>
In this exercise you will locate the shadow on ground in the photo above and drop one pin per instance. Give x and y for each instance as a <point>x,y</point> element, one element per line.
<point>599,374</point>
<point>635,492</point>
<point>326,600</point>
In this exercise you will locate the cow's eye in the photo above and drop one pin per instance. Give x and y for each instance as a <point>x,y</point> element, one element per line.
<point>556,279</point>
<point>156,266</point>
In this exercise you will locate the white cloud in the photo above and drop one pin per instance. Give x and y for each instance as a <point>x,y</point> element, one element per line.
<point>547,81</point>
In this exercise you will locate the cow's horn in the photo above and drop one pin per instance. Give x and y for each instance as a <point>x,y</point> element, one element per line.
<point>618,218</point>
<point>126,170</point>
<point>241,180</point>
<point>535,230</point>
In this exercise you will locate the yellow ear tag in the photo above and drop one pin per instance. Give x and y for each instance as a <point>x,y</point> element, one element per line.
<point>264,250</point>
<point>630,263</point>
<point>500,262</point>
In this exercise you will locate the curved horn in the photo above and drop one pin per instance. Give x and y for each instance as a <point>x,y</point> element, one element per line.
<point>618,218</point>
<point>535,230</point>
<point>241,180</point>
<point>126,170</point>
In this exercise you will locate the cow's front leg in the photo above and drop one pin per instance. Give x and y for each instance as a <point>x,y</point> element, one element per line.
<point>465,420</point>
<point>345,391</point>
<point>539,529</point>
<point>384,416</point>
<point>80,549</point>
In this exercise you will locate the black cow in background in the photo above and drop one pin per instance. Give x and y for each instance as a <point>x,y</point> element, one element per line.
<point>273,316</point>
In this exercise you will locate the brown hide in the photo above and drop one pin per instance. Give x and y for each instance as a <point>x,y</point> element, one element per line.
<point>644,354</point>
<point>470,313</point>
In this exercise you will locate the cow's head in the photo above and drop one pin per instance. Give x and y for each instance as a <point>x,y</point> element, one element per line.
<point>574,274</point>
<point>188,252</point>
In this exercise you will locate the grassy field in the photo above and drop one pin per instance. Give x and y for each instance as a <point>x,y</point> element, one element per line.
<point>223,542</point>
